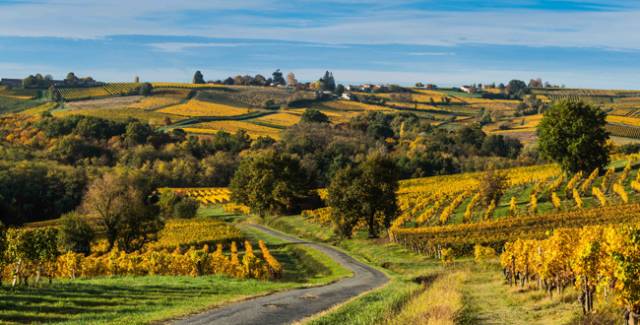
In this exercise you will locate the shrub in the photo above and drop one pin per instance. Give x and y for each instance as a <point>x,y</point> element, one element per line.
<point>75,234</point>
<point>185,208</point>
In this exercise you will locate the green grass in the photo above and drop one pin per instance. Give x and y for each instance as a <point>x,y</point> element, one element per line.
<point>300,227</point>
<point>125,300</point>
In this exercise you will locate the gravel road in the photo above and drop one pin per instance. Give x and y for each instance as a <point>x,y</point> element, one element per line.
<point>289,306</point>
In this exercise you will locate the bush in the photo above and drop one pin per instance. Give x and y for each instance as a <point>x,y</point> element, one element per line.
<point>185,208</point>
<point>173,205</point>
<point>75,234</point>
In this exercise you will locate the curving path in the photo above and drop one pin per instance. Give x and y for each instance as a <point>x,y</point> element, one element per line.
<point>293,305</point>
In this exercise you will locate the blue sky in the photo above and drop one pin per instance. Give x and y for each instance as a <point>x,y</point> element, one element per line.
<point>577,43</point>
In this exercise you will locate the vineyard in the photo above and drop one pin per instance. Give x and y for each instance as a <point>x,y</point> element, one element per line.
<point>113,89</point>
<point>623,130</point>
<point>33,254</point>
<point>196,107</point>
<point>204,195</point>
<point>180,85</point>
<point>597,261</point>
<point>195,232</point>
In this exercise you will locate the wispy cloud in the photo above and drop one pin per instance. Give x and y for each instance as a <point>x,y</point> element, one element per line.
<point>175,47</point>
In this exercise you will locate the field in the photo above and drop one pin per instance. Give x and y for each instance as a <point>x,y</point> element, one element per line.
<point>254,130</point>
<point>175,105</point>
<point>196,107</point>
<point>279,119</point>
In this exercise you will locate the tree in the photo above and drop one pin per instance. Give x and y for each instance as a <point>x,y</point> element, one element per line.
<point>517,88</point>
<point>573,134</point>
<point>291,80</point>
<point>269,182</point>
<point>146,89</point>
<point>137,133</point>
<point>260,80</point>
<point>176,206</point>
<point>125,210</point>
<point>499,145</point>
<point>278,79</point>
<point>75,234</point>
<point>71,79</point>
<point>327,82</point>
<point>339,90</point>
<point>198,78</point>
<point>311,115</point>
<point>53,94</point>
<point>366,193</point>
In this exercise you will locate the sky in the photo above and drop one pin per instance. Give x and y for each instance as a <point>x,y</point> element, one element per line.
<point>592,44</point>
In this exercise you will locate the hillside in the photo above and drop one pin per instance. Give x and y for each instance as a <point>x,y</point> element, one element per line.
<point>206,109</point>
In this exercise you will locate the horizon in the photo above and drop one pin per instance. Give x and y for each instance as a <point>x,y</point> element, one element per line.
<point>448,43</point>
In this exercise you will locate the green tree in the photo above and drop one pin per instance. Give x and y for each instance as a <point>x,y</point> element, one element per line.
<point>312,115</point>
<point>146,89</point>
<point>137,133</point>
<point>517,88</point>
<point>269,182</point>
<point>573,134</point>
<point>278,78</point>
<point>198,78</point>
<point>53,94</point>
<point>173,205</point>
<point>366,192</point>
<point>327,82</point>
<point>75,234</point>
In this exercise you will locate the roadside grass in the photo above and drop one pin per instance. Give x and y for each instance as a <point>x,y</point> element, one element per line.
<point>298,226</point>
<point>440,303</point>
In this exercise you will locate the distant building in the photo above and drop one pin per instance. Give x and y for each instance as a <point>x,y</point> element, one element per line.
<point>469,89</point>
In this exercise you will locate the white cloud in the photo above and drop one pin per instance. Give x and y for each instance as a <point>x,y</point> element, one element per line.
<point>97,18</point>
